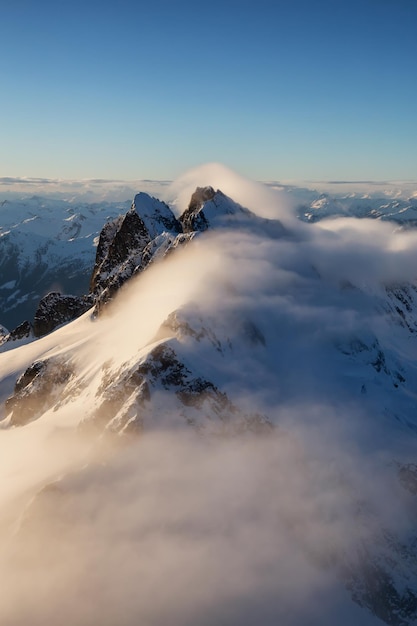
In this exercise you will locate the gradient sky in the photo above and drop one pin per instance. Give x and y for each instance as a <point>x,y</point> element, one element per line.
<point>301,89</point>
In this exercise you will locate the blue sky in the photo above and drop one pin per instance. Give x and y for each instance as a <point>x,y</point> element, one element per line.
<point>276,90</point>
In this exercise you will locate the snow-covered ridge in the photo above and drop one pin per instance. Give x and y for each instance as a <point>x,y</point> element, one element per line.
<point>47,242</point>
<point>388,202</point>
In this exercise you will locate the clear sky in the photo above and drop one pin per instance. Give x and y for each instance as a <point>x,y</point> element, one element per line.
<point>277,90</point>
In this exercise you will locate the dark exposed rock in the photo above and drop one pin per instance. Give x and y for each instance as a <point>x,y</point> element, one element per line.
<point>163,366</point>
<point>106,237</point>
<point>22,331</point>
<point>56,309</point>
<point>199,390</point>
<point>37,389</point>
<point>119,241</point>
<point>200,196</point>
<point>161,246</point>
<point>214,209</point>
<point>3,333</point>
<point>150,231</point>
<point>29,375</point>
<point>126,393</point>
<point>193,218</point>
<point>401,304</point>
<point>157,249</point>
<point>128,244</point>
<point>123,395</point>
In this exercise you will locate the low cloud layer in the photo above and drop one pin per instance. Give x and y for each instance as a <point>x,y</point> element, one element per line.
<point>262,200</point>
<point>176,530</point>
<point>89,190</point>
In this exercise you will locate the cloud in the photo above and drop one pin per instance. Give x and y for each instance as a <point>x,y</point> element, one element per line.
<point>368,252</point>
<point>262,200</point>
<point>178,530</point>
<point>88,190</point>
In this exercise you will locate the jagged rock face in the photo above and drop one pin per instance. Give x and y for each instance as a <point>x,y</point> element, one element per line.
<point>129,243</point>
<point>150,231</point>
<point>213,209</point>
<point>208,207</point>
<point>161,246</point>
<point>47,242</point>
<point>119,240</point>
<point>56,309</point>
<point>22,331</point>
<point>106,237</point>
<point>128,397</point>
<point>156,215</point>
<point>401,305</point>
<point>193,218</point>
<point>37,389</point>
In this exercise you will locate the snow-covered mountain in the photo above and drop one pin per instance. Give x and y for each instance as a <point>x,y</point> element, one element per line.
<point>227,435</point>
<point>47,242</point>
<point>389,202</point>
<point>45,245</point>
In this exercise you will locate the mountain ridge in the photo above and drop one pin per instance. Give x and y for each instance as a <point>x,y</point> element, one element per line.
<point>252,336</point>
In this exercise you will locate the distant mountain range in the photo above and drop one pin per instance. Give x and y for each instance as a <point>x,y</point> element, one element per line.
<point>48,244</point>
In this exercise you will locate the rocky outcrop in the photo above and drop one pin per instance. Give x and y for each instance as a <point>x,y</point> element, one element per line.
<point>123,241</point>
<point>37,390</point>
<point>209,208</point>
<point>119,250</point>
<point>214,209</point>
<point>193,218</point>
<point>162,385</point>
<point>23,331</point>
<point>56,309</point>
<point>128,244</point>
<point>401,305</point>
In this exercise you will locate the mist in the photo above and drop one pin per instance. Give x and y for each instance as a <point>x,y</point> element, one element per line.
<point>173,527</point>
<point>259,198</point>
<point>179,530</point>
<point>87,190</point>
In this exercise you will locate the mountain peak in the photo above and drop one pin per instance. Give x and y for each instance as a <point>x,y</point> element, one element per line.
<point>200,196</point>
<point>214,209</point>
<point>156,215</point>
<point>208,208</point>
